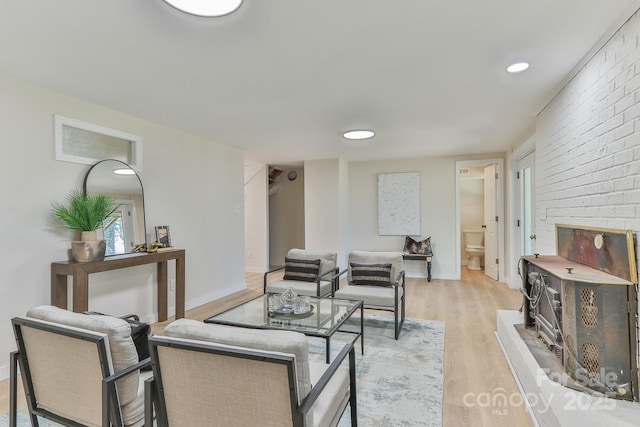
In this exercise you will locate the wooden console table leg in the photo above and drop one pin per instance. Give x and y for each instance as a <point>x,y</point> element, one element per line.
<point>59,290</point>
<point>80,290</point>
<point>162,291</point>
<point>428,269</point>
<point>180,270</point>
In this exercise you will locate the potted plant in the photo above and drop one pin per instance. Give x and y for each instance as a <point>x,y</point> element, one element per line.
<point>86,212</point>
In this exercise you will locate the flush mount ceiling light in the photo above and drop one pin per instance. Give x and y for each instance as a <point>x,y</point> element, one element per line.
<point>359,134</point>
<point>205,8</point>
<point>124,171</point>
<point>518,67</point>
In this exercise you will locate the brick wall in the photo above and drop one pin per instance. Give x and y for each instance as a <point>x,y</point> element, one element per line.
<point>588,144</point>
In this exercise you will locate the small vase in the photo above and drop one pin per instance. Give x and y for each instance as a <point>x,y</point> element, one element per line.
<point>89,248</point>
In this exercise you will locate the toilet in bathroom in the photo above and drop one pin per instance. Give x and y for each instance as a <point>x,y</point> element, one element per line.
<point>474,247</point>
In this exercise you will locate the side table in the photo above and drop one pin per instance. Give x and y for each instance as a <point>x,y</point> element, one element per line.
<point>420,257</point>
<point>80,272</point>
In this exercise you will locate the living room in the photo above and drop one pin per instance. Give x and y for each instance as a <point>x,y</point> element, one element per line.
<point>585,142</point>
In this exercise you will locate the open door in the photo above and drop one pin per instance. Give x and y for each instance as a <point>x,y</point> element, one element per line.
<point>490,222</point>
<point>527,202</point>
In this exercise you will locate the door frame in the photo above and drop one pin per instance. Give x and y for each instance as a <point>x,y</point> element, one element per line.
<point>515,242</point>
<point>460,164</point>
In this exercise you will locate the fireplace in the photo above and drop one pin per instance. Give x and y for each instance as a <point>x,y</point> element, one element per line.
<point>582,303</point>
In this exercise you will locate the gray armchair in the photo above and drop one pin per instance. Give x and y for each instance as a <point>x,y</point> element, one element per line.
<point>206,374</point>
<point>77,369</point>
<point>378,279</point>
<point>308,272</point>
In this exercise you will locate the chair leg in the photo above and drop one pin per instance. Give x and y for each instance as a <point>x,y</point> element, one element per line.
<point>352,388</point>
<point>148,402</point>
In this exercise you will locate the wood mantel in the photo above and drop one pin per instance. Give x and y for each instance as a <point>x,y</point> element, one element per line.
<point>80,272</point>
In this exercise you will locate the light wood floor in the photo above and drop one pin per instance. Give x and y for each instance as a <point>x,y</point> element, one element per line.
<point>475,367</point>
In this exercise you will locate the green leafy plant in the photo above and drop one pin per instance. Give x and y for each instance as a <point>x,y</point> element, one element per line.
<point>85,212</point>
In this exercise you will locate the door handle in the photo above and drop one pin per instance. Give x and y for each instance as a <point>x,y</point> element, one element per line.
<point>484,226</point>
<point>532,237</point>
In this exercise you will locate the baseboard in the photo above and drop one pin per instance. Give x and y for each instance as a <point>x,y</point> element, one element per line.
<point>213,296</point>
<point>4,372</point>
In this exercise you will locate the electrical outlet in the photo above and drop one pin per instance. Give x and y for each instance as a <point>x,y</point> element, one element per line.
<point>172,284</point>
<point>249,254</point>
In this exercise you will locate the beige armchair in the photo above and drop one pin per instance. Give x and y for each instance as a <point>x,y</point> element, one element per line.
<point>308,272</point>
<point>207,374</point>
<point>77,369</point>
<point>378,279</point>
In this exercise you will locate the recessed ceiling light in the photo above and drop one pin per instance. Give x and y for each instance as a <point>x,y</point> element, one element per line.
<point>206,8</point>
<point>517,67</point>
<point>359,134</point>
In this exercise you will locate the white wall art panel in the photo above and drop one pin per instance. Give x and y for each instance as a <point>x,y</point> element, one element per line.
<point>399,204</point>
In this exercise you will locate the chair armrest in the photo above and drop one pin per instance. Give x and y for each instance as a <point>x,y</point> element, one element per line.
<point>109,411</point>
<point>336,279</point>
<point>316,391</point>
<point>128,370</point>
<point>264,290</point>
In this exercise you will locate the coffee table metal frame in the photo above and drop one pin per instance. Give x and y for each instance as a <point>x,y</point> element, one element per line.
<point>328,317</point>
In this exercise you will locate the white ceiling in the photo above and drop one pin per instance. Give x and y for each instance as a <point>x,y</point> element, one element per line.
<point>282,79</point>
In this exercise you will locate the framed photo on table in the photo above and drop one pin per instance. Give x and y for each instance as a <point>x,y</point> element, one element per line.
<point>163,236</point>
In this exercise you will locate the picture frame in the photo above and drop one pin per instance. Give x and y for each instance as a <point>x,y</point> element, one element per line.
<point>163,236</point>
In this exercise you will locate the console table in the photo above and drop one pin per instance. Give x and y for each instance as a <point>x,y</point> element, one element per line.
<point>80,272</point>
<point>419,257</point>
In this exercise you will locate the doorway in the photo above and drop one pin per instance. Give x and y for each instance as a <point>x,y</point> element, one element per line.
<point>479,210</point>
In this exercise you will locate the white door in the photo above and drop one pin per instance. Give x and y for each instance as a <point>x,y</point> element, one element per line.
<point>490,222</point>
<point>527,202</point>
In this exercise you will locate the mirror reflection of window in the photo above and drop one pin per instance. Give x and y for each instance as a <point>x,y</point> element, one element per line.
<point>118,229</point>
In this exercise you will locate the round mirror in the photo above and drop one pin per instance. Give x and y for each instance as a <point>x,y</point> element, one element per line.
<point>126,227</point>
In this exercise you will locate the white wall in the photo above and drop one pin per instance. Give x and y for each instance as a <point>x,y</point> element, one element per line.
<point>438,195</point>
<point>588,145</point>
<point>193,185</point>
<point>326,221</point>
<point>256,222</point>
<point>286,217</point>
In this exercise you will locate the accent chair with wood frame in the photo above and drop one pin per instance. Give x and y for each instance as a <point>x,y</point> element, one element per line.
<point>207,374</point>
<point>379,281</point>
<point>76,369</point>
<point>298,263</point>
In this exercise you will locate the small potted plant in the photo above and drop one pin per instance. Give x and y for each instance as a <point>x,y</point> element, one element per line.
<point>86,212</point>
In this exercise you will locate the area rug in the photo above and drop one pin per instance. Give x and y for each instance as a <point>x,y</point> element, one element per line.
<point>399,383</point>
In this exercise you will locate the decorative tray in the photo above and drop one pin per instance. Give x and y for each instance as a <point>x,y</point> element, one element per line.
<point>288,313</point>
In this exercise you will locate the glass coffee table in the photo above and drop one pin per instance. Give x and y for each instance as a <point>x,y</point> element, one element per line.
<point>327,316</point>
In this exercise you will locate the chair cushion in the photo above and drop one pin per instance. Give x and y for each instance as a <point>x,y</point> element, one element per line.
<point>260,339</point>
<point>301,269</point>
<point>371,274</point>
<point>123,351</point>
<point>300,288</point>
<point>133,412</point>
<point>372,296</point>
<point>328,259</point>
<point>414,247</point>
<point>364,257</point>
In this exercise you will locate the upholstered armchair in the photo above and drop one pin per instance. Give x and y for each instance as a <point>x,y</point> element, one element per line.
<point>77,369</point>
<point>308,272</point>
<point>378,279</point>
<point>206,374</point>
